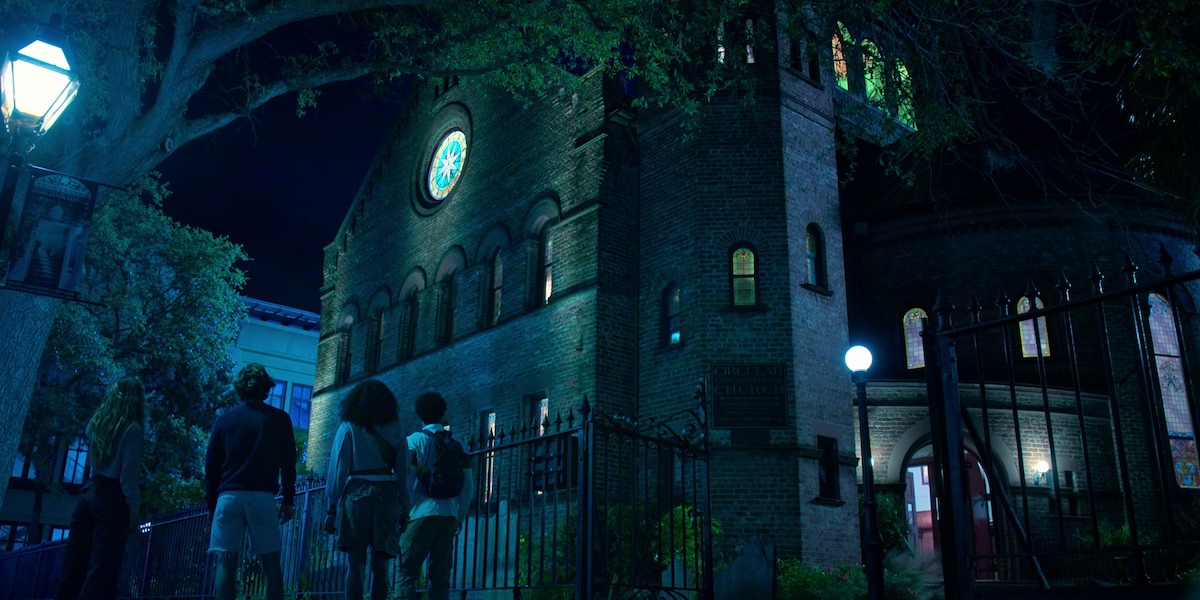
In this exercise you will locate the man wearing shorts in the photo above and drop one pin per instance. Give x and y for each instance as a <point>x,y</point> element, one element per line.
<point>251,456</point>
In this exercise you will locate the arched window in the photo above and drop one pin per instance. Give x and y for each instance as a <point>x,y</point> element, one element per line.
<point>841,69</point>
<point>743,279</point>
<point>345,352</point>
<point>497,285</point>
<point>914,347</point>
<point>374,340</point>
<point>1030,337</point>
<point>814,245</point>
<point>904,100</point>
<point>408,326</point>
<point>1168,363</point>
<point>445,311</point>
<point>547,264</point>
<point>873,78</point>
<point>671,331</point>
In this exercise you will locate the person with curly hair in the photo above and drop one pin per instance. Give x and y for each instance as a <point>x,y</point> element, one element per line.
<point>365,485</point>
<point>108,508</point>
<point>251,456</point>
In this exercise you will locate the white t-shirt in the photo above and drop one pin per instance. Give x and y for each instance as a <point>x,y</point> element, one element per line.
<point>424,506</point>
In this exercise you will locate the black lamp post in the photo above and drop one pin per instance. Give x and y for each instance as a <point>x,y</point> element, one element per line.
<point>858,359</point>
<point>36,85</point>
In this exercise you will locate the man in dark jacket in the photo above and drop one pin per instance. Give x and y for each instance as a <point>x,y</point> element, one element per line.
<point>251,456</point>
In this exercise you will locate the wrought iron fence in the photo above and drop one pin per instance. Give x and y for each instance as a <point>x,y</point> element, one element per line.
<point>1077,386</point>
<point>582,507</point>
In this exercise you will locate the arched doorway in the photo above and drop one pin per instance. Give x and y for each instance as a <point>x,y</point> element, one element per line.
<point>920,502</point>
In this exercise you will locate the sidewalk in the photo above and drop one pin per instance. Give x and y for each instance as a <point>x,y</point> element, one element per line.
<point>988,591</point>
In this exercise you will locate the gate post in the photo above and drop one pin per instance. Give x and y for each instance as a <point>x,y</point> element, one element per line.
<point>953,503</point>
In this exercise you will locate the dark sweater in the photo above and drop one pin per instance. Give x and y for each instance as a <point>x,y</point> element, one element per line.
<point>251,449</point>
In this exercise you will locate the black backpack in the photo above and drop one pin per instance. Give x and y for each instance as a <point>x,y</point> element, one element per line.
<point>444,472</point>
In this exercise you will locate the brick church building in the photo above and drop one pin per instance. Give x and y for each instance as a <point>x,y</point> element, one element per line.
<point>519,259</point>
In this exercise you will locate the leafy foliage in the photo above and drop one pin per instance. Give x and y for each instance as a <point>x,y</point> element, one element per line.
<point>170,312</point>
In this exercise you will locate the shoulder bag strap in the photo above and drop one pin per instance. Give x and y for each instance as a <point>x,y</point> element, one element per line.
<point>390,461</point>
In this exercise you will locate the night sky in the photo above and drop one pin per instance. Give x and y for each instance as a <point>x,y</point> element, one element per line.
<point>280,185</point>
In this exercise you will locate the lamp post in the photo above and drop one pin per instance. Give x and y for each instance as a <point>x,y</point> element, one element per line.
<point>858,359</point>
<point>36,85</point>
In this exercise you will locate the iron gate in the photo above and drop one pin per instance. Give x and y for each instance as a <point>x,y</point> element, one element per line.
<point>1082,413</point>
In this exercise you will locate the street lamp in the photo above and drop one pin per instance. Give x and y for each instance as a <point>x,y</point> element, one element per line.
<point>858,359</point>
<point>36,85</point>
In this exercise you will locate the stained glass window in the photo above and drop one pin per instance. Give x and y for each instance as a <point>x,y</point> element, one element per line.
<point>904,101</point>
<point>1031,339</point>
<point>841,71</point>
<point>873,73</point>
<point>1181,432</point>
<point>445,165</point>
<point>914,347</point>
<point>743,277</point>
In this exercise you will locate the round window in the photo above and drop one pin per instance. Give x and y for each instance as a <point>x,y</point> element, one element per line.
<point>445,165</point>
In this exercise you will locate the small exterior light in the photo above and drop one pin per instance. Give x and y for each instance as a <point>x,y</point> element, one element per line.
<point>36,85</point>
<point>1041,469</point>
<point>858,359</point>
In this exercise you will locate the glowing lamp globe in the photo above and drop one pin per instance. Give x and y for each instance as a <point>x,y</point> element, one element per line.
<point>36,85</point>
<point>858,359</point>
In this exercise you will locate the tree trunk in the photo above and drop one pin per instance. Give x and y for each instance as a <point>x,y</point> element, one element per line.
<point>27,322</point>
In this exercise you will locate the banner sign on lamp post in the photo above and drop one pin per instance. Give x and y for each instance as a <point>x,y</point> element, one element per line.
<point>45,237</point>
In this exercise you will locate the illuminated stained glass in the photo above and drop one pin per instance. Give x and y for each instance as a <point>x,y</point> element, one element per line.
<point>1181,432</point>
<point>841,71</point>
<point>445,166</point>
<point>904,110</point>
<point>914,347</point>
<point>873,73</point>
<point>1031,339</point>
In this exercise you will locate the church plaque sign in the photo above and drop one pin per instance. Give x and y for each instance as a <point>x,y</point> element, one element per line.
<point>749,396</point>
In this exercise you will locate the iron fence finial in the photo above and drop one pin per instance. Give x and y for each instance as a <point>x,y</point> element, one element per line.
<point>1097,279</point>
<point>1002,303</point>
<point>1064,287</point>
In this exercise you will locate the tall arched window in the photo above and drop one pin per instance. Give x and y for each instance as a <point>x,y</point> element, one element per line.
<point>374,340</point>
<point>841,69</point>
<point>1168,363</point>
<point>1029,337</point>
<point>873,78</point>
<point>904,96</point>
<point>671,306</point>
<point>497,285</point>
<point>814,245</point>
<point>408,326</point>
<point>547,265</point>
<point>914,347</point>
<point>345,349</point>
<point>743,277</point>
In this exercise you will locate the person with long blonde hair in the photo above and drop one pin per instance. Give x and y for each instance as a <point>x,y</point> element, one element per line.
<point>110,501</point>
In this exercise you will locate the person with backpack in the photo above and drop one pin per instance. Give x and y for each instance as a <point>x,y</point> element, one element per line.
<point>442,487</point>
<point>365,485</point>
